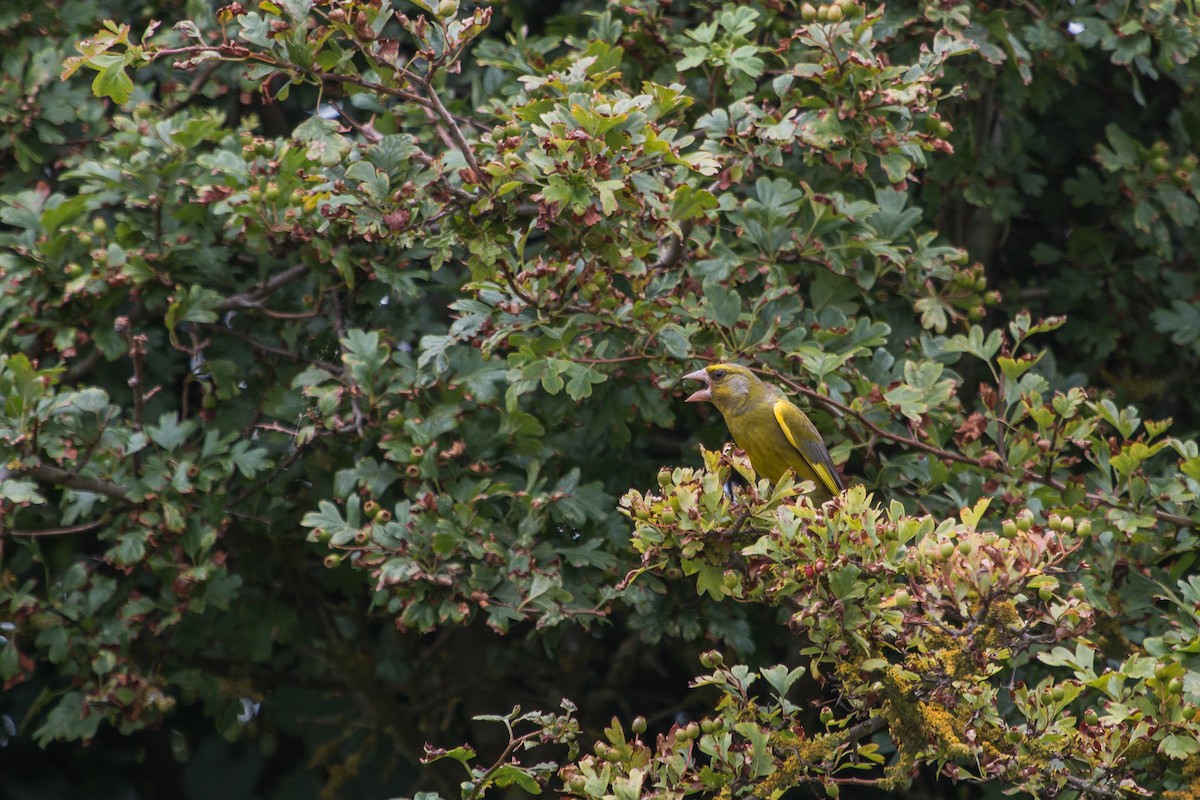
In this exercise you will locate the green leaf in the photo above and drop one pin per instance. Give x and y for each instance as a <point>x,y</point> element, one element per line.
<point>21,491</point>
<point>723,305</point>
<point>1179,746</point>
<point>581,379</point>
<point>328,519</point>
<point>170,433</point>
<point>688,203</point>
<point>113,82</point>
<point>675,341</point>
<point>781,678</point>
<point>510,774</point>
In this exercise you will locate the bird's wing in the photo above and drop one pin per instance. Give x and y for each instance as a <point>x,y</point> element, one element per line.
<point>804,437</point>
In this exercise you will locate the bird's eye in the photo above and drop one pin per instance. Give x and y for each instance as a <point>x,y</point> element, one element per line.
<point>718,373</point>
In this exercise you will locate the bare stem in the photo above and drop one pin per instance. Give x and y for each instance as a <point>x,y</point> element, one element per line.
<point>435,103</point>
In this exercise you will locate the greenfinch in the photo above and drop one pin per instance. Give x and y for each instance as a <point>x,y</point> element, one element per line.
<point>775,434</point>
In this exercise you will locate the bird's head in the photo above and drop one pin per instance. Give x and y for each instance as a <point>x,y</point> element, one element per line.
<point>727,386</point>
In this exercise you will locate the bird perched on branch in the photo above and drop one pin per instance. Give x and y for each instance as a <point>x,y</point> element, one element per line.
<point>776,435</point>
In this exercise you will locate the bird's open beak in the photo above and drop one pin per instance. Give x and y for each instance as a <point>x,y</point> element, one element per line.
<point>706,392</point>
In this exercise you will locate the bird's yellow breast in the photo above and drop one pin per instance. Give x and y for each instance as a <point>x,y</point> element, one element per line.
<point>757,431</point>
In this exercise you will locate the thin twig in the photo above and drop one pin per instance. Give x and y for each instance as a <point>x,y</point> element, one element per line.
<point>863,729</point>
<point>452,126</point>
<point>266,348</point>
<point>79,483</point>
<point>81,528</point>
<point>258,295</point>
<point>82,367</point>
<point>1086,788</point>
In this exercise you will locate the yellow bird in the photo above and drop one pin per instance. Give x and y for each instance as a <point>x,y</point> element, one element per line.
<point>775,434</point>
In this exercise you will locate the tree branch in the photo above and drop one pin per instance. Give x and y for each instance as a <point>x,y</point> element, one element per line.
<point>82,528</point>
<point>258,295</point>
<point>1086,788</point>
<point>435,103</point>
<point>62,477</point>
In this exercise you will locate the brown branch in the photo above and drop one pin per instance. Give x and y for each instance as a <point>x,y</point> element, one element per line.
<point>863,729</point>
<point>137,354</point>
<point>81,367</point>
<point>375,87</point>
<point>672,251</point>
<point>82,528</point>
<point>234,52</point>
<point>829,402</point>
<point>672,248</point>
<point>456,133</point>
<point>1086,788</point>
<point>62,477</point>
<point>258,295</point>
<point>266,348</point>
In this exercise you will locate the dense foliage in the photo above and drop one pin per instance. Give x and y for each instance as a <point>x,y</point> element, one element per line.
<point>342,405</point>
